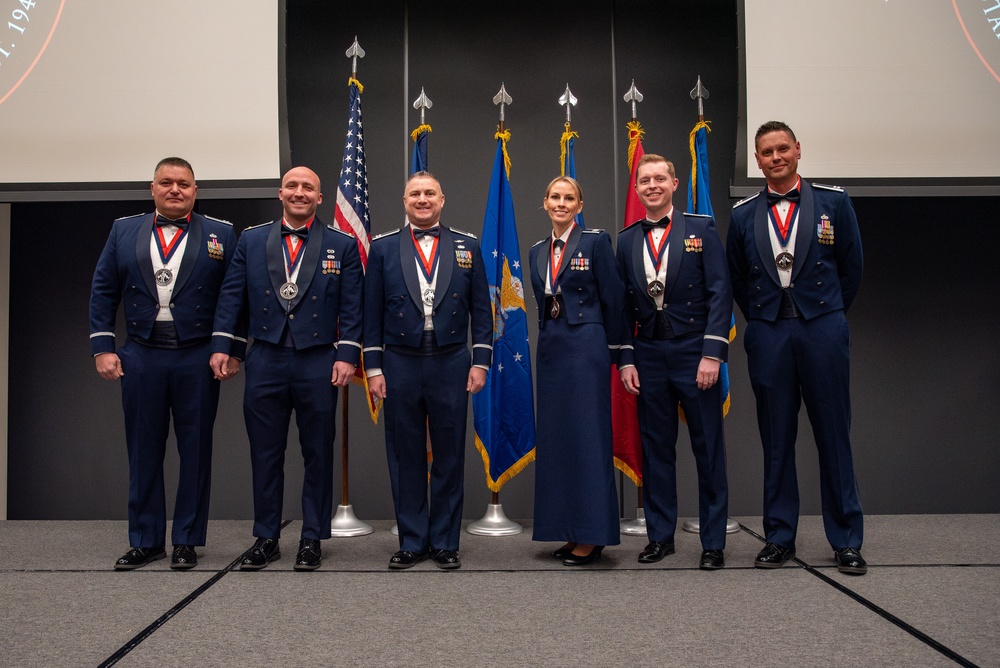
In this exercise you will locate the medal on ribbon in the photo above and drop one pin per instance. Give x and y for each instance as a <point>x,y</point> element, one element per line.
<point>164,277</point>
<point>783,260</point>
<point>655,287</point>
<point>288,290</point>
<point>428,266</point>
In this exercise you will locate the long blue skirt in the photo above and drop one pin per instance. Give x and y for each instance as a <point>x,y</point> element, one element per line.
<point>575,495</point>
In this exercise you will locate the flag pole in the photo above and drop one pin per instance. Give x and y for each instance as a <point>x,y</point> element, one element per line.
<point>700,93</point>
<point>345,523</point>
<point>495,522</point>
<point>637,526</point>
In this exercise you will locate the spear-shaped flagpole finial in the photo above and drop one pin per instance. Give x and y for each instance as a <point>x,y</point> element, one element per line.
<point>422,103</point>
<point>354,53</point>
<point>700,93</point>
<point>634,96</point>
<point>567,100</point>
<point>503,99</point>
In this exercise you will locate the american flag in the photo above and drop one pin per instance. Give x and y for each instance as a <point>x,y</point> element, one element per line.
<point>351,212</point>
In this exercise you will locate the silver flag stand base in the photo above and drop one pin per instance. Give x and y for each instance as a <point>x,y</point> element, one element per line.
<point>345,524</point>
<point>394,530</point>
<point>494,523</point>
<point>636,527</point>
<point>694,526</point>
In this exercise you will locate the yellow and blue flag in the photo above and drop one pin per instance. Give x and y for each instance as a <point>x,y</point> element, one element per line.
<point>418,163</point>
<point>504,414</point>
<point>567,163</point>
<point>700,202</point>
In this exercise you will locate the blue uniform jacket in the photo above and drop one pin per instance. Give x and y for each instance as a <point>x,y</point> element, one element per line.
<point>327,309</point>
<point>588,278</point>
<point>124,273</point>
<point>697,295</point>
<point>826,273</point>
<point>394,311</point>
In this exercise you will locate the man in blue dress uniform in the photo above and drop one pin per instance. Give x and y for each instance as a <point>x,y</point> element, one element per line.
<point>679,304</point>
<point>795,259</point>
<point>167,268</point>
<point>298,283</point>
<point>425,284</point>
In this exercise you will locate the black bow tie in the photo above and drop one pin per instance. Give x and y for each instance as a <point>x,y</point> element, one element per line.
<point>773,198</point>
<point>182,223</point>
<point>430,231</point>
<point>301,232</point>
<point>648,225</point>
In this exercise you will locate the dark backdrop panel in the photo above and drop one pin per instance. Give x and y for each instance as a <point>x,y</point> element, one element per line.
<point>924,368</point>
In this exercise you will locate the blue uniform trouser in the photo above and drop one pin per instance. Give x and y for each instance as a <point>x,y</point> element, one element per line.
<point>427,393</point>
<point>159,384</point>
<point>792,360</point>
<point>278,380</point>
<point>667,375</point>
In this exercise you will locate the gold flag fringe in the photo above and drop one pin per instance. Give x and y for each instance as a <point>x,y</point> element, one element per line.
<point>419,131</point>
<point>629,473</point>
<point>352,80</point>
<point>515,468</point>
<point>504,137</point>
<point>635,133</point>
<point>563,144</point>
<point>694,160</point>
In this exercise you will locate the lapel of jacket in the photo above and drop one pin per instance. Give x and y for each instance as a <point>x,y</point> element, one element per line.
<point>310,259</point>
<point>804,233</point>
<point>446,264</point>
<point>193,243</point>
<point>639,261</point>
<point>762,235</point>
<point>142,252</point>
<point>276,260</point>
<point>542,260</point>
<point>408,265</point>
<point>675,251</point>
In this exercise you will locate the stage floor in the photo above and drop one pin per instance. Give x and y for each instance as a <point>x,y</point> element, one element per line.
<point>930,598</point>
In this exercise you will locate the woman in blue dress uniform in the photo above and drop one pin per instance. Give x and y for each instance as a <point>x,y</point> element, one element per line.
<point>580,321</point>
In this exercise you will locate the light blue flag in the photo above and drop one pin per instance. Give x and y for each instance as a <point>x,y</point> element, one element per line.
<point>504,415</point>
<point>700,202</point>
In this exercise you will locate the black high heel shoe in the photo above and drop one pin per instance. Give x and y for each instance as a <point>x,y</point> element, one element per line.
<point>589,558</point>
<point>563,551</point>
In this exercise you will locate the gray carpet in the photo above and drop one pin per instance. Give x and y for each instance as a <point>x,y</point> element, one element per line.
<point>510,605</point>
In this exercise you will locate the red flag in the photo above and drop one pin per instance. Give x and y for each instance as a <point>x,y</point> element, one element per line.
<point>624,409</point>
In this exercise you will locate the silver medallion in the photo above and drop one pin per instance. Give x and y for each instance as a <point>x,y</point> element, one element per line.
<point>164,277</point>
<point>655,289</point>
<point>428,296</point>
<point>554,310</point>
<point>784,260</point>
<point>289,291</point>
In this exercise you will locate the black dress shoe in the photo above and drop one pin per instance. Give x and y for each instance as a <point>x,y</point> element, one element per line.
<point>563,551</point>
<point>712,560</point>
<point>589,558</point>
<point>655,551</point>
<point>850,561</point>
<point>138,557</point>
<point>406,559</point>
<point>446,559</point>
<point>183,558</point>
<point>310,555</point>
<point>773,556</point>
<point>263,552</point>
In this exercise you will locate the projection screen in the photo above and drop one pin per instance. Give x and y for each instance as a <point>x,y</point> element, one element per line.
<point>93,93</point>
<point>893,96</point>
